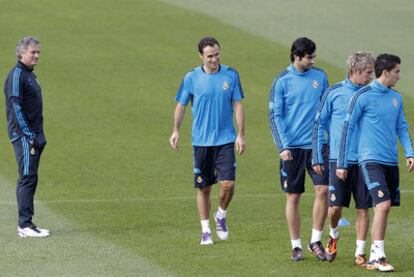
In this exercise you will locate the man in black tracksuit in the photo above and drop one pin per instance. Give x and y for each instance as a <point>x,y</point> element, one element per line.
<point>25,127</point>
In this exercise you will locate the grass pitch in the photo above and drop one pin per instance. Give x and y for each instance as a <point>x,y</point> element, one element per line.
<point>118,200</point>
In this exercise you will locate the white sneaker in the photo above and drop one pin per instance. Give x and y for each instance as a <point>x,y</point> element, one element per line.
<point>382,265</point>
<point>221,227</point>
<point>40,229</point>
<point>32,231</point>
<point>206,239</point>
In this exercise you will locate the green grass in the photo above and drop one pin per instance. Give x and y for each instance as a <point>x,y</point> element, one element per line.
<point>119,201</point>
<point>338,27</point>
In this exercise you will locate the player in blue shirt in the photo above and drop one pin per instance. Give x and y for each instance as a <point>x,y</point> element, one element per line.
<point>215,93</point>
<point>294,99</point>
<point>329,119</point>
<point>24,110</point>
<point>377,112</point>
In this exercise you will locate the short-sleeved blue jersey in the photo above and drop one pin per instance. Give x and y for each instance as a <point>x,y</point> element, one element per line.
<point>293,102</point>
<point>212,96</point>
<point>330,118</point>
<point>377,112</point>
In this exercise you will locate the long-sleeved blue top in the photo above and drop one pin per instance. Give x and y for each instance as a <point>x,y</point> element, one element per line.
<point>330,118</point>
<point>293,102</point>
<point>24,105</point>
<point>377,111</point>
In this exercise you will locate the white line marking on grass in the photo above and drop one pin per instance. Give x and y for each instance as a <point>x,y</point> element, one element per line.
<point>68,252</point>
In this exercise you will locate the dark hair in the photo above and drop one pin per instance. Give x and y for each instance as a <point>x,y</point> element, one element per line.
<point>207,41</point>
<point>301,47</point>
<point>385,62</point>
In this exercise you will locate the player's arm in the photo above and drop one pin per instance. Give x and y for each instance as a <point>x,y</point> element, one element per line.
<point>14,94</point>
<point>351,119</point>
<point>320,128</point>
<point>184,95</point>
<point>325,84</point>
<point>276,104</point>
<point>179,113</point>
<point>405,139</point>
<point>240,140</point>
<point>237,96</point>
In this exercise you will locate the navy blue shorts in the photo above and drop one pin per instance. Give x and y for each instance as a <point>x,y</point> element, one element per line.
<point>292,173</point>
<point>214,163</point>
<point>383,182</point>
<point>340,191</point>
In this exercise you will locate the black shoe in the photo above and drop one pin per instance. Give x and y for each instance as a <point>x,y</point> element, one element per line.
<point>297,254</point>
<point>317,249</point>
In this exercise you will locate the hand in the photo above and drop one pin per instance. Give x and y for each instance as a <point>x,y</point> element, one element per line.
<point>341,173</point>
<point>286,155</point>
<point>410,164</point>
<point>319,169</point>
<point>240,144</point>
<point>175,136</point>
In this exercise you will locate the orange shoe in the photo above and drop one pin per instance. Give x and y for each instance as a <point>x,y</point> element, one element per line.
<point>330,250</point>
<point>360,260</point>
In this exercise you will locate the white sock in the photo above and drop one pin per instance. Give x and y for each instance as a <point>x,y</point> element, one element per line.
<point>372,254</point>
<point>296,243</point>
<point>360,245</point>
<point>221,213</point>
<point>379,248</point>
<point>334,232</point>
<point>205,226</point>
<point>316,235</point>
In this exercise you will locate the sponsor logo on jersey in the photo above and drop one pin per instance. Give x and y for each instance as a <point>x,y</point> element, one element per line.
<point>199,179</point>
<point>395,102</point>
<point>315,84</point>
<point>32,151</point>
<point>380,194</point>
<point>333,197</point>
<point>225,85</point>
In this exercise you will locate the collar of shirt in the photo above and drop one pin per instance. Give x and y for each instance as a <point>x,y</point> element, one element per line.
<point>293,69</point>
<point>349,84</point>
<point>25,67</point>
<point>378,86</point>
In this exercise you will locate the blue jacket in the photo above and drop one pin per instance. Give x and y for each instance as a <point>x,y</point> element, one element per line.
<point>330,119</point>
<point>293,102</point>
<point>377,111</point>
<point>24,106</point>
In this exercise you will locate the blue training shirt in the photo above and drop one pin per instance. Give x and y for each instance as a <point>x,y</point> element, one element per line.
<point>330,118</point>
<point>377,111</point>
<point>212,96</point>
<point>24,105</point>
<point>293,102</point>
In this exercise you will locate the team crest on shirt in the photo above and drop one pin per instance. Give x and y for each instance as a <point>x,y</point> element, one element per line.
<point>315,84</point>
<point>395,102</point>
<point>285,184</point>
<point>199,179</point>
<point>333,197</point>
<point>380,194</point>
<point>225,85</point>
